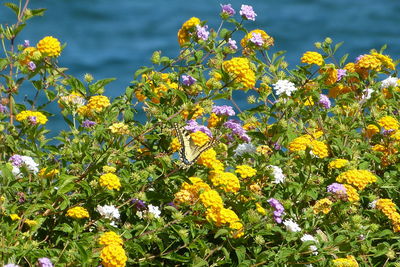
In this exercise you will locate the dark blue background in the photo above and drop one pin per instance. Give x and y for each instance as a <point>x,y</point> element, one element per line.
<point>114,38</point>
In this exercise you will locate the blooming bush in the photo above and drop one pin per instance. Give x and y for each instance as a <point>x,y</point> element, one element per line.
<point>306,173</point>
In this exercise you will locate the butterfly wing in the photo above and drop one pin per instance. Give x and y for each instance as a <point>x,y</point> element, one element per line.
<point>189,152</point>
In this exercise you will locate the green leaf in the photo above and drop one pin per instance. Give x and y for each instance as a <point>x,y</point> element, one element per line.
<point>198,56</point>
<point>176,257</point>
<point>99,85</point>
<point>13,7</point>
<point>225,33</point>
<point>3,63</point>
<point>141,71</point>
<point>337,46</point>
<point>38,11</point>
<point>240,253</point>
<point>221,232</point>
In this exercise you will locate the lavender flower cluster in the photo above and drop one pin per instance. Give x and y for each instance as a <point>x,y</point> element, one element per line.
<point>238,130</point>
<point>279,209</point>
<point>193,126</point>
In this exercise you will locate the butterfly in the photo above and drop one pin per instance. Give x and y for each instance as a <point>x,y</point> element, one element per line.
<point>190,152</point>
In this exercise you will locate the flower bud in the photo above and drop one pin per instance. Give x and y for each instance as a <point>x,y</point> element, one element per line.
<point>328,40</point>
<point>88,78</point>
<point>155,58</point>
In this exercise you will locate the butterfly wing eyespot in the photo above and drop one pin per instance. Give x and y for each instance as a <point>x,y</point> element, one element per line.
<point>189,152</point>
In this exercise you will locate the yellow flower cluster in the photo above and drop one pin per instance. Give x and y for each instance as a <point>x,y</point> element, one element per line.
<point>15,217</point>
<point>389,123</point>
<point>209,159</point>
<point>30,223</point>
<point>225,180</point>
<point>239,69</point>
<point>48,174</point>
<point>371,130</point>
<point>110,180</point>
<point>78,213</point>
<point>197,112</point>
<point>338,163</point>
<point>311,57</point>
<point>368,62</point>
<point>49,46</point>
<point>119,128</point>
<point>222,216</point>
<point>113,256</point>
<point>199,138</point>
<point>98,103</point>
<point>26,114</point>
<point>95,104</point>
<point>389,209</point>
<point>211,199</point>
<point>349,261</point>
<point>386,61</point>
<point>213,120</point>
<point>189,193</point>
<point>110,238</point>
<point>260,209</point>
<point>184,31</point>
<point>351,193</point>
<point>322,205</point>
<point>358,178</point>
<point>318,148</point>
<point>267,40</point>
<point>175,145</point>
<point>245,171</point>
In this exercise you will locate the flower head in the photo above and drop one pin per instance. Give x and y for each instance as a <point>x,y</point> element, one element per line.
<point>279,209</point>
<point>110,238</point>
<point>223,110</point>
<point>257,39</point>
<point>110,180</point>
<point>227,9</point>
<point>78,213</point>
<point>202,32</point>
<point>188,80</point>
<point>49,46</point>
<point>232,44</point>
<point>88,123</point>
<point>291,225</point>
<point>113,256</point>
<point>108,211</point>
<point>311,57</point>
<point>247,12</point>
<point>45,262</point>
<point>340,74</point>
<point>324,101</point>
<point>278,174</point>
<point>284,87</point>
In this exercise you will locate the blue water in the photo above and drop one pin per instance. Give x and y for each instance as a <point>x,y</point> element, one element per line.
<point>114,38</point>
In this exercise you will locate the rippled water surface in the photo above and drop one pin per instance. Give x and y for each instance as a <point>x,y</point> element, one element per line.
<point>114,38</point>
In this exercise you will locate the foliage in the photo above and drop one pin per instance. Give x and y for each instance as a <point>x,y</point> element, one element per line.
<point>306,173</point>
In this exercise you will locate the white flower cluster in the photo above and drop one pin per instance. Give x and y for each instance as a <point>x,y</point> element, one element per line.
<point>291,225</point>
<point>108,211</point>
<point>278,174</point>
<point>308,237</point>
<point>284,87</point>
<point>390,81</point>
<point>244,148</point>
<point>151,209</point>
